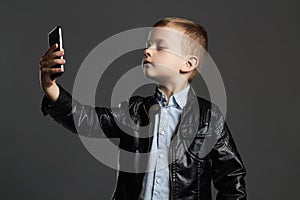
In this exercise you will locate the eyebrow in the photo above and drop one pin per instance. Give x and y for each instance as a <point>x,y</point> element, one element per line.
<point>157,40</point>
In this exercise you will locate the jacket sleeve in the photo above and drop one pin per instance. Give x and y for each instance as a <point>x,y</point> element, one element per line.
<point>82,119</point>
<point>228,170</point>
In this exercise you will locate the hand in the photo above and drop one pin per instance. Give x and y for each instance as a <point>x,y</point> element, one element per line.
<point>48,60</point>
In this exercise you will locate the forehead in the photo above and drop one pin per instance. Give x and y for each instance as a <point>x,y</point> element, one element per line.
<point>166,34</point>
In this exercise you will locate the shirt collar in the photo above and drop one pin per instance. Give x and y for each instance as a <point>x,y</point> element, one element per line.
<point>177,99</point>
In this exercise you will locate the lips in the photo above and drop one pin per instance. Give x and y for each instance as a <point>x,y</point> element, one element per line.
<point>146,62</point>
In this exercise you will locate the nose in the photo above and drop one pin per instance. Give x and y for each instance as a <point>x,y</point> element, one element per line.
<point>148,52</point>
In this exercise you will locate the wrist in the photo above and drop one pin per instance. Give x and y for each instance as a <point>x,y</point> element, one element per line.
<point>52,92</point>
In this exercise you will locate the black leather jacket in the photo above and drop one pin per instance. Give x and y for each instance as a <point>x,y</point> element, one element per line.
<point>202,149</point>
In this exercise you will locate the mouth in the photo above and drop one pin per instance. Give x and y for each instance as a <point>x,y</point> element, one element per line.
<point>147,63</point>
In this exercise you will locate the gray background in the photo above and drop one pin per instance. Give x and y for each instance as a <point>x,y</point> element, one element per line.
<point>254,44</point>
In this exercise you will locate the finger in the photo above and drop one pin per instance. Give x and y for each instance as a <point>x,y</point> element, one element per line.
<point>51,63</point>
<point>57,61</point>
<point>56,54</point>
<point>51,70</point>
<point>50,50</point>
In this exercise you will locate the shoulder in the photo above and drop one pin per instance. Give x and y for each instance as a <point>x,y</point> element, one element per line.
<point>133,111</point>
<point>133,101</point>
<point>202,102</point>
<point>138,100</point>
<point>136,104</point>
<point>140,104</point>
<point>211,112</point>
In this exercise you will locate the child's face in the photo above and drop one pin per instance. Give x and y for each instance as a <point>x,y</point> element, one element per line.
<point>163,56</point>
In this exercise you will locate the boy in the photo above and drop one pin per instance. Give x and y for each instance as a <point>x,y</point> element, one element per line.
<point>188,140</point>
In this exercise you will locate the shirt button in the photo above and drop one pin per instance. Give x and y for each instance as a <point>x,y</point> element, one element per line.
<point>155,108</point>
<point>162,132</point>
<point>158,181</point>
<point>161,155</point>
<point>164,111</point>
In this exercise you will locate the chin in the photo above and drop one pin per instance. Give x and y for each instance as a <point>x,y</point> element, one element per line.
<point>150,75</point>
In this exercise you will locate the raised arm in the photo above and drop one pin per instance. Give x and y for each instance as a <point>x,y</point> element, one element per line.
<point>59,104</point>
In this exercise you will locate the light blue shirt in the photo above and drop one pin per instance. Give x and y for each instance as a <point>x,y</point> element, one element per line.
<point>156,180</point>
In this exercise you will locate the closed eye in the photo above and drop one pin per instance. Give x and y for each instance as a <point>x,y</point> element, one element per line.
<point>161,47</point>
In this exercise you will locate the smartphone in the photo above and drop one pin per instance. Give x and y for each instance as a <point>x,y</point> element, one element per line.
<point>55,36</point>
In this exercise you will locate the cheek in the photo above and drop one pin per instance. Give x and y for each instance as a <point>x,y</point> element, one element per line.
<point>173,62</point>
<point>168,59</point>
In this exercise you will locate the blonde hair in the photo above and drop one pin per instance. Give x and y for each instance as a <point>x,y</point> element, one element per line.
<point>196,35</point>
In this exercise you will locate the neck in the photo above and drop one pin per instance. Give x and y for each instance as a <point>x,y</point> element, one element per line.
<point>170,89</point>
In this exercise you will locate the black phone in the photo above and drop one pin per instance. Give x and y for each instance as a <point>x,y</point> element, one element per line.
<point>55,36</point>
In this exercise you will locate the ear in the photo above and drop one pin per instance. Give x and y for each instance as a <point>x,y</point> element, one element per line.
<point>190,64</point>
